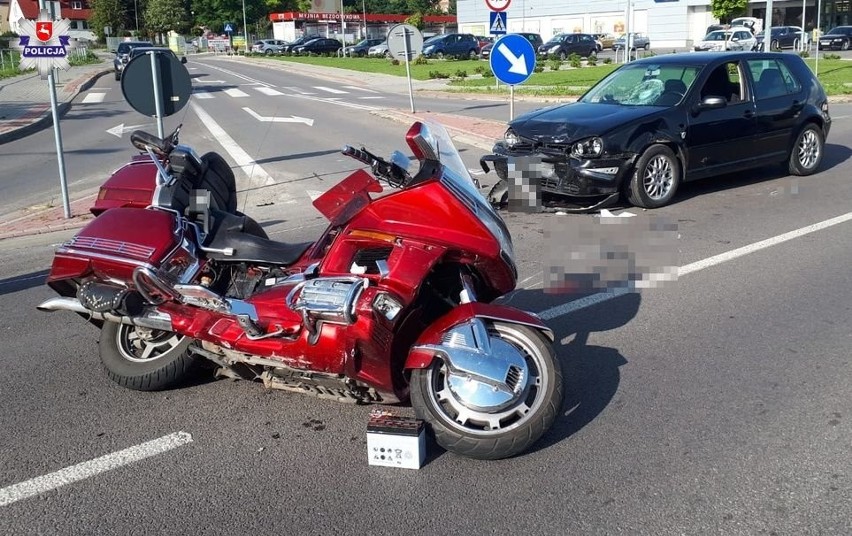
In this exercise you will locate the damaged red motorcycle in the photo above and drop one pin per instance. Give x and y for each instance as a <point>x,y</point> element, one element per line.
<point>393,301</point>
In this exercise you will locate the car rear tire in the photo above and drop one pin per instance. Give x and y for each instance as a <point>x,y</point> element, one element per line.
<point>845,45</point>
<point>656,178</point>
<point>268,52</point>
<point>806,153</point>
<point>647,46</point>
<point>773,45</point>
<point>117,75</point>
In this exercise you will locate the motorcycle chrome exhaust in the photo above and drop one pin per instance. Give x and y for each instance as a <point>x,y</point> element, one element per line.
<point>152,319</point>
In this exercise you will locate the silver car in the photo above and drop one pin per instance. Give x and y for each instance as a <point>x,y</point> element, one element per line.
<point>733,39</point>
<point>380,50</point>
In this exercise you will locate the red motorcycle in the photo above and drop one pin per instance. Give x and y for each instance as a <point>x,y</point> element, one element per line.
<point>391,303</point>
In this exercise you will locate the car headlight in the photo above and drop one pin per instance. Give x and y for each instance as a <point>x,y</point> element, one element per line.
<point>553,48</point>
<point>588,148</point>
<point>429,49</point>
<point>511,138</point>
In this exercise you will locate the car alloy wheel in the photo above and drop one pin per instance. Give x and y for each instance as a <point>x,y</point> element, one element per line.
<point>656,178</point>
<point>806,154</point>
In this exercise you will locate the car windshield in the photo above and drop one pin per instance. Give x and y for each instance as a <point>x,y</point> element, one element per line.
<point>642,84</point>
<point>717,36</point>
<point>842,30</point>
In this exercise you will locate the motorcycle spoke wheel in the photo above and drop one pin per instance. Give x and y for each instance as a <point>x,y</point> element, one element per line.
<point>503,429</point>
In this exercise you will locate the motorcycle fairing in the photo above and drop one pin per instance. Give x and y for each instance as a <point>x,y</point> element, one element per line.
<point>421,356</point>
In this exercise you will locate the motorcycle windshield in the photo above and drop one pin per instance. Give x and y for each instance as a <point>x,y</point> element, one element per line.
<point>433,138</point>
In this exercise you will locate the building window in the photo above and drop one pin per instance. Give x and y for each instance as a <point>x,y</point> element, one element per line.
<point>77,4</point>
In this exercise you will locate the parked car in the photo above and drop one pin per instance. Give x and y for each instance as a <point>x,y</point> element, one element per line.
<point>122,55</point>
<point>563,45</point>
<point>380,50</point>
<point>752,23</point>
<point>452,44</point>
<point>165,50</point>
<point>605,41</point>
<point>534,39</point>
<point>483,41</point>
<point>840,38</point>
<point>268,46</point>
<point>657,122</point>
<point>639,40</point>
<point>288,47</point>
<point>782,37</point>
<point>363,47</point>
<point>321,45</point>
<point>734,39</point>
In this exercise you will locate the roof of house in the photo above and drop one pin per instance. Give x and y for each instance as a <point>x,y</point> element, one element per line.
<point>30,9</point>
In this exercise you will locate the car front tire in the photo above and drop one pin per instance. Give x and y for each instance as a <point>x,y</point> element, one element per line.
<point>655,179</point>
<point>806,153</point>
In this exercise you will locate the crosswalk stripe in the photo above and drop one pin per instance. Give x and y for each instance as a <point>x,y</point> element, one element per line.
<point>361,89</point>
<point>202,95</point>
<point>234,92</point>
<point>299,90</point>
<point>268,91</point>
<point>331,90</point>
<point>93,98</point>
<point>365,98</point>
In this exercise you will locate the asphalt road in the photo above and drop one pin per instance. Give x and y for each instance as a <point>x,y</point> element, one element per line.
<point>719,403</point>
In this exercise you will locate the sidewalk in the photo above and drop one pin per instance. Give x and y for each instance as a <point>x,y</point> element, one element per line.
<point>25,108</point>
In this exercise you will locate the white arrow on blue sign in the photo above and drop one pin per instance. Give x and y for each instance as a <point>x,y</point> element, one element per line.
<point>512,59</point>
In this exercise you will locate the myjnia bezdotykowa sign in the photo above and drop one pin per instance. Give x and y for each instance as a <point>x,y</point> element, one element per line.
<point>43,43</point>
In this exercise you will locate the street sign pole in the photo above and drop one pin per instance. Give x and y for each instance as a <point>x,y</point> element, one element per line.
<point>408,69</point>
<point>511,102</point>
<point>158,97</point>
<point>512,62</point>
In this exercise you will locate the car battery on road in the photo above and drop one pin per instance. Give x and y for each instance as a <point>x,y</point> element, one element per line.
<point>394,441</point>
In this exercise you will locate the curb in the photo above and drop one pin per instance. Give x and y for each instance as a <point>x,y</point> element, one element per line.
<point>46,117</point>
<point>485,143</point>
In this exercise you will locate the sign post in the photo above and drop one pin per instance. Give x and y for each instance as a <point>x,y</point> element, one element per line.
<point>405,43</point>
<point>512,62</point>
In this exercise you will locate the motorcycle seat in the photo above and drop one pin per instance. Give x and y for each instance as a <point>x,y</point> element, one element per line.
<point>248,241</point>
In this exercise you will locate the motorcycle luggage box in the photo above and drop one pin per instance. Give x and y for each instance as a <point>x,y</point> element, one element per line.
<point>123,238</point>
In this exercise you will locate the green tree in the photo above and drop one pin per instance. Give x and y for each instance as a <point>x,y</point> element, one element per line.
<point>416,20</point>
<point>162,16</point>
<point>107,13</point>
<point>725,10</point>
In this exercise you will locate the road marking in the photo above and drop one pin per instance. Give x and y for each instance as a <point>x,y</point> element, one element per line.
<point>94,98</point>
<point>243,77</point>
<point>361,89</point>
<point>333,100</point>
<point>298,90</point>
<point>82,471</point>
<point>365,98</point>
<point>256,174</point>
<point>119,130</point>
<point>331,90</point>
<point>198,94</point>
<point>234,92</point>
<point>601,297</point>
<point>291,119</point>
<point>268,91</point>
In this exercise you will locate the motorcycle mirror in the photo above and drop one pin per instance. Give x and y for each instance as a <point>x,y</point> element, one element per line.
<point>398,159</point>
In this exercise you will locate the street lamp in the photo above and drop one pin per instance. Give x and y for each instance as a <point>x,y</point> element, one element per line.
<point>136,13</point>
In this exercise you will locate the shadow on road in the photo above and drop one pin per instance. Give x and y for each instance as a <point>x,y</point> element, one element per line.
<point>22,282</point>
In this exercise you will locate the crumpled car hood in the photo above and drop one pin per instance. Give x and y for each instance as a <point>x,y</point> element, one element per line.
<point>568,122</point>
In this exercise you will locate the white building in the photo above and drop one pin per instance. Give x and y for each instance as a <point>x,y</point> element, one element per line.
<point>669,23</point>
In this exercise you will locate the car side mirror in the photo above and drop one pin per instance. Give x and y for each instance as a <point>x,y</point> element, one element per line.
<point>711,102</point>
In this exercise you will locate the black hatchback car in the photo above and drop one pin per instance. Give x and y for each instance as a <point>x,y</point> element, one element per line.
<point>563,45</point>
<point>656,122</point>
<point>321,45</point>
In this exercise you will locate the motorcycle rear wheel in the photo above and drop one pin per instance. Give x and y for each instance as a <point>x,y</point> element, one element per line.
<point>145,359</point>
<point>502,433</point>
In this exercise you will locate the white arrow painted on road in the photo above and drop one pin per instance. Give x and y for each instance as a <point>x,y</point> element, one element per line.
<point>118,130</point>
<point>291,119</point>
<point>519,65</point>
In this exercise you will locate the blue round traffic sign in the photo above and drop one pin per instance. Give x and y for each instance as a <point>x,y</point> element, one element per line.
<point>512,59</point>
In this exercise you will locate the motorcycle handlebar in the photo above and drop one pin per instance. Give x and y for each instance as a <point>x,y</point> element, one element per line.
<point>381,168</point>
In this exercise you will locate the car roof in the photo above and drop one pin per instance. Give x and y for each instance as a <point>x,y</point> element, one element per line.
<point>705,58</point>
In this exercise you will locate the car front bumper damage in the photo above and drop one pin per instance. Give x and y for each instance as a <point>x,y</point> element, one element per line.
<point>578,184</point>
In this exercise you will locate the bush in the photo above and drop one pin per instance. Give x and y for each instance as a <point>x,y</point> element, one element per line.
<point>831,56</point>
<point>574,60</point>
<point>804,54</point>
<point>554,65</point>
<point>394,61</point>
<point>480,69</point>
<point>421,60</point>
<point>489,74</point>
<point>607,61</point>
<point>436,74</point>
<point>460,74</point>
<point>539,68</point>
<point>592,60</point>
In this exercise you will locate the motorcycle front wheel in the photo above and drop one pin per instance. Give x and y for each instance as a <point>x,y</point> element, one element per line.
<point>500,431</point>
<point>145,359</point>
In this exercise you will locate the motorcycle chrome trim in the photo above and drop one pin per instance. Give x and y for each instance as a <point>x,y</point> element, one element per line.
<point>113,246</point>
<point>319,299</point>
<point>483,373</point>
<point>467,294</point>
<point>105,257</point>
<point>150,319</point>
<point>228,252</point>
<point>203,297</point>
<point>159,285</point>
<point>166,178</point>
<point>384,269</point>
